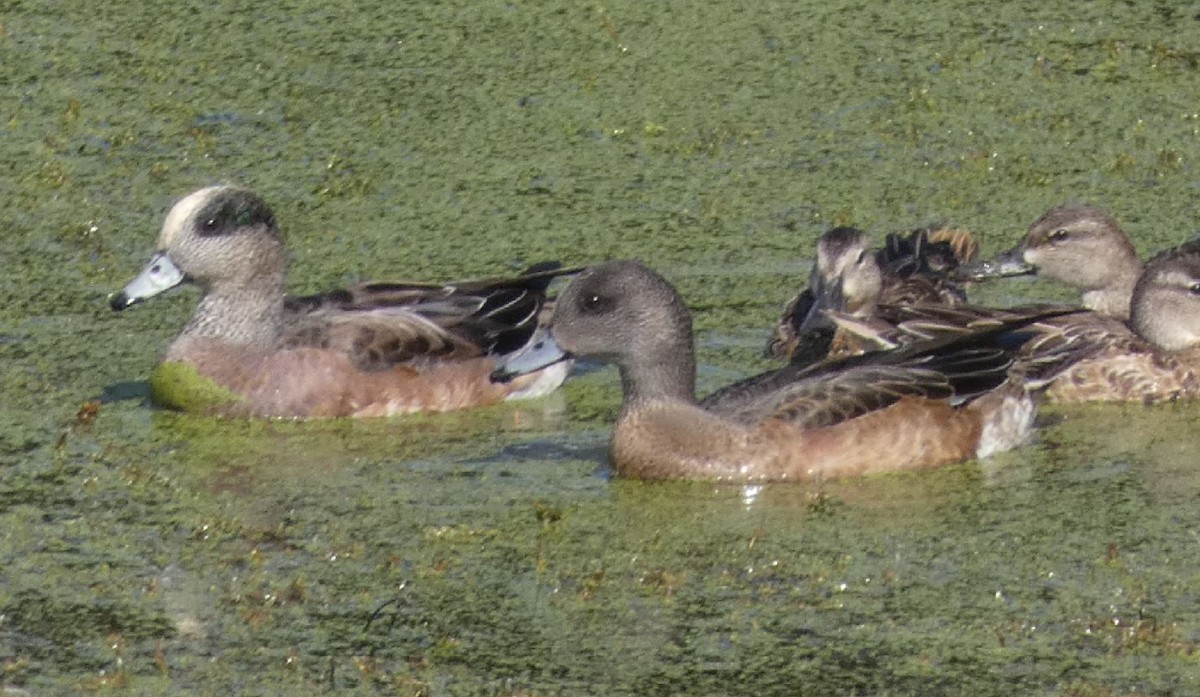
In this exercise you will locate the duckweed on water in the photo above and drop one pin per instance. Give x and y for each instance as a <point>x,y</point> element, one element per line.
<point>487,552</point>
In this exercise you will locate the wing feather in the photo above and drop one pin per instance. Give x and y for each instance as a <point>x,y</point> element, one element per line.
<point>382,324</point>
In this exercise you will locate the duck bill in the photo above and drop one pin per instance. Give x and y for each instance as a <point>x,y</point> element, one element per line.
<point>159,275</point>
<point>826,295</point>
<point>541,351</point>
<point>1003,265</point>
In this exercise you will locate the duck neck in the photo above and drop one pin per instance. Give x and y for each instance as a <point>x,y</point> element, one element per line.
<point>1113,298</point>
<point>1159,317</point>
<point>248,316</point>
<point>665,376</point>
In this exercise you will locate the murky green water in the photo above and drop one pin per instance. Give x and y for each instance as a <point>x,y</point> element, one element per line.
<point>487,553</point>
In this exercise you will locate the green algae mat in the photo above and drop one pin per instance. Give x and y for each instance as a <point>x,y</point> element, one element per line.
<point>489,552</point>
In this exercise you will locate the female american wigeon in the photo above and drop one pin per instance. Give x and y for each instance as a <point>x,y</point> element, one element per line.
<point>1077,356</point>
<point>922,406</point>
<point>1080,246</point>
<point>371,350</point>
<point>913,268</point>
<point>1156,355</point>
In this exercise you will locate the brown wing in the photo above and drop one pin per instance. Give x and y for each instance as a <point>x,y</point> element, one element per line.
<point>919,266</point>
<point>841,397</point>
<point>958,366</point>
<point>922,289</point>
<point>1056,344</point>
<point>786,341</point>
<point>376,340</point>
<point>1112,363</point>
<point>1141,377</point>
<point>382,324</point>
<point>926,321</point>
<point>898,325</point>
<point>1062,336</point>
<point>917,269</point>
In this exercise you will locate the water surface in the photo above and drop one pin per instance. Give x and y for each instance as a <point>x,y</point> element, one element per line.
<point>490,552</point>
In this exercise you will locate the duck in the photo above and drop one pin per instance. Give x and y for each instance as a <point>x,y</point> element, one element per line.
<point>1078,355</point>
<point>927,404</point>
<point>913,268</point>
<point>375,349</point>
<point>1155,356</point>
<point>1078,245</point>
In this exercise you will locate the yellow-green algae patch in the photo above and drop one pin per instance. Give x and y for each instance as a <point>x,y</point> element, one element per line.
<point>181,387</point>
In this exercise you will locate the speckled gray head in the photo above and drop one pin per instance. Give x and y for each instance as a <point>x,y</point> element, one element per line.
<point>1077,244</point>
<point>619,312</point>
<point>218,232</point>
<point>1166,299</point>
<point>845,277</point>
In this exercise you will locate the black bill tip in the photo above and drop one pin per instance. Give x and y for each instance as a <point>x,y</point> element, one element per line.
<point>503,375</point>
<point>120,301</point>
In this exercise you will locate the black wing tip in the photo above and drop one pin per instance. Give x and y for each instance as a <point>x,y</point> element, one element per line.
<point>541,267</point>
<point>540,275</point>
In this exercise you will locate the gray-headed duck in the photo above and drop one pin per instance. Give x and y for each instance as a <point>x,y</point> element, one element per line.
<point>1156,356</point>
<point>924,405</point>
<point>1080,246</point>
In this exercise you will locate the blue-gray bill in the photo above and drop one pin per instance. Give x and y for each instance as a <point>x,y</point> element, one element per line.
<point>825,296</point>
<point>160,274</point>
<point>540,352</point>
<point>1010,263</point>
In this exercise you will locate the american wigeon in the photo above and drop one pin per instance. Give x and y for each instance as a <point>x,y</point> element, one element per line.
<point>913,268</point>
<point>1077,245</point>
<point>925,405</point>
<point>1080,356</point>
<point>372,350</point>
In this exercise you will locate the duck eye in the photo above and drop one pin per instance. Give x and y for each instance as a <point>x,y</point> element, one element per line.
<point>594,303</point>
<point>861,257</point>
<point>209,227</point>
<point>1194,289</point>
<point>1059,235</point>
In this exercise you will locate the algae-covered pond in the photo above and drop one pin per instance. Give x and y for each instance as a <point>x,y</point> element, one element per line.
<point>488,552</point>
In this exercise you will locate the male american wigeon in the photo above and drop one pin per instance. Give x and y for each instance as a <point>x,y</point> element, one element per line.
<point>925,405</point>
<point>1077,245</point>
<point>371,350</point>
<point>912,268</point>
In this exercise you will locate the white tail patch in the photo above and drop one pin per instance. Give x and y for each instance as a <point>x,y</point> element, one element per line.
<point>1008,424</point>
<point>543,382</point>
